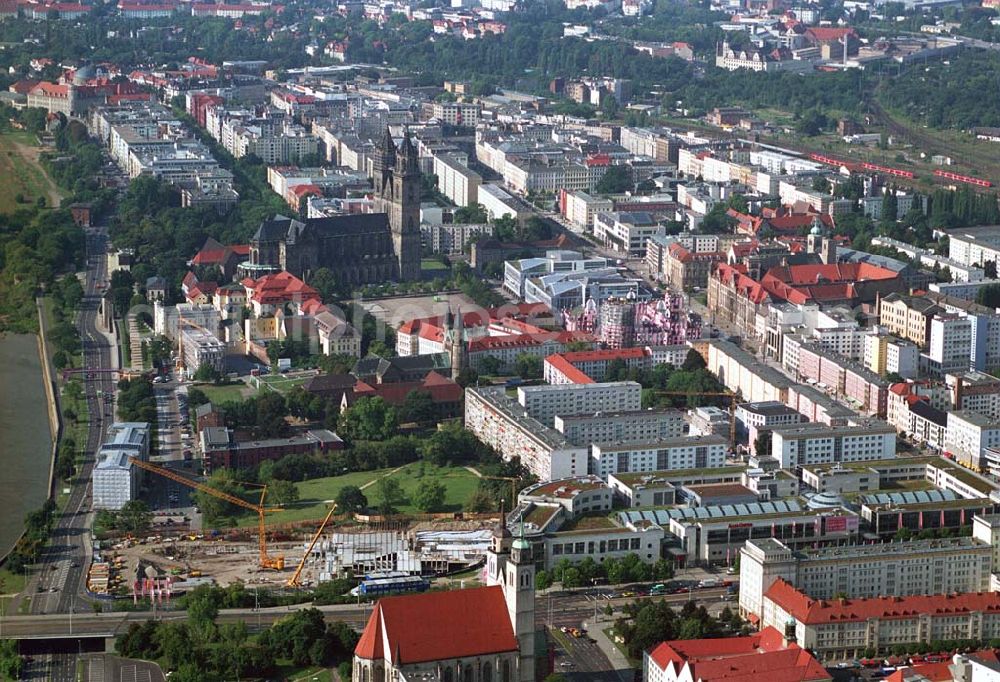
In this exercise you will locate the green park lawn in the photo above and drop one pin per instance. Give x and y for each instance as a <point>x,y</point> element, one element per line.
<point>233,393</point>
<point>22,173</point>
<point>315,494</point>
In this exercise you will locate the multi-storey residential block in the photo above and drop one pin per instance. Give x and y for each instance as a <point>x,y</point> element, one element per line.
<point>456,180</point>
<point>626,232</point>
<point>546,401</point>
<point>892,570</point>
<point>975,245</point>
<point>504,424</point>
<point>581,208</point>
<point>968,434</point>
<point>116,479</point>
<point>692,452</point>
<point>622,427</point>
<point>806,444</point>
<point>950,344</point>
<point>846,628</point>
<point>908,317</point>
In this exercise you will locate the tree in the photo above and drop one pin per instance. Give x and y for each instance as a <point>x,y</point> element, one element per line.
<point>11,662</point>
<point>989,295</point>
<point>490,365</point>
<point>473,214</point>
<point>282,492</point>
<point>134,517</point>
<point>693,361</point>
<point>206,372</point>
<point>430,495</point>
<point>990,269</point>
<point>418,406</point>
<point>202,609</point>
<point>543,580</point>
<point>390,495</point>
<point>616,180</point>
<point>350,499</point>
<point>528,366</point>
<point>368,419</point>
<point>762,443</point>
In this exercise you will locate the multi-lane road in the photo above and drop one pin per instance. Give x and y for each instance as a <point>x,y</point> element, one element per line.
<point>59,582</point>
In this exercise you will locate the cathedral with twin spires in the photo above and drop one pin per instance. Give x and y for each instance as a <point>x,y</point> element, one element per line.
<point>369,248</point>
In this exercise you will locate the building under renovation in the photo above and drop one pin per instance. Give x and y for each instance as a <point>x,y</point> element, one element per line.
<point>624,323</point>
<point>397,551</point>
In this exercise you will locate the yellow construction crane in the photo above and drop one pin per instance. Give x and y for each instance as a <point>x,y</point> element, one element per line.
<point>294,580</point>
<point>733,399</point>
<point>276,563</point>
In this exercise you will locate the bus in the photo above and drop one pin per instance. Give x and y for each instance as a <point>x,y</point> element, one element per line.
<point>380,586</point>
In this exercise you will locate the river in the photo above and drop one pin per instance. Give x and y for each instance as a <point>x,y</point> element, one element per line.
<point>25,440</point>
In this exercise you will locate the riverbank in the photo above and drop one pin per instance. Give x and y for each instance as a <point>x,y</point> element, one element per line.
<point>51,394</point>
<point>28,448</point>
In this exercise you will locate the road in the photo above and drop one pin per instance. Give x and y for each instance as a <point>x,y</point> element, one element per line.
<point>60,578</point>
<point>61,573</point>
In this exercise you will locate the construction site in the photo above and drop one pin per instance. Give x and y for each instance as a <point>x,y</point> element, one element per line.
<point>294,557</point>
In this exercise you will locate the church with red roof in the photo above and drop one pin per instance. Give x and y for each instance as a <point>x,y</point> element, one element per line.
<point>485,634</point>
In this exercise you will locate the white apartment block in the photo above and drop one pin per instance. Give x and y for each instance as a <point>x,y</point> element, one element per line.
<point>202,348</point>
<point>896,569</point>
<point>452,238</point>
<point>581,208</point>
<point>116,480</point>
<point>642,426</point>
<point>457,181</point>
<point>694,452</point>
<point>500,203</point>
<point>546,401</point>
<point>902,358</point>
<point>975,245</point>
<point>626,233</point>
<point>741,372</point>
<point>950,345</point>
<point>836,629</point>
<point>503,424</point>
<point>968,434</point>
<point>818,443</point>
<point>464,114</point>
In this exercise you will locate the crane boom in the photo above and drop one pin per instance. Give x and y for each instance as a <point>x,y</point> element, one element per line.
<point>266,561</point>
<point>718,394</point>
<point>294,580</point>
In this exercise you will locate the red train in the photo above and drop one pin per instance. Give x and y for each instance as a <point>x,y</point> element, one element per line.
<point>866,166</point>
<point>969,180</point>
<point>890,171</point>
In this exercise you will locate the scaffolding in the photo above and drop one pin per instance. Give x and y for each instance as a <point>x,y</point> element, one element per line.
<point>624,323</point>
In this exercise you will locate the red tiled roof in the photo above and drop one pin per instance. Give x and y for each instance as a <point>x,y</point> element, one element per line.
<point>564,367</point>
<point>441,390</point>
<point>452,624</point>
<point>278,288</point>
<point>828,33</point>
<point>302,190</point>
<point>22,87</point>
<point>820,611</point>
<point>935,672</point>
<point>822,282</point>
<point>764,656</point>
<point>735,276</point>
<point>51,89</point>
